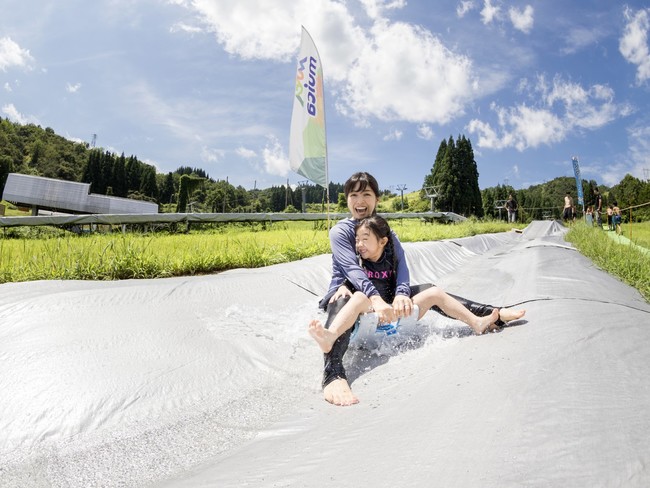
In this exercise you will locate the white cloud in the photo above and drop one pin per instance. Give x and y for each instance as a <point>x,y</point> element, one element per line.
<point>183,27</point>
<point>7,86</point>
<point>408,74</point>
<point>578,38</point>
<point>275,160</point>
<point>633,45</point>
<point>72,88</point>
<point>14,115</point>
<point>560,107</point>
<point>489,12</point>
<point>245,153</point>
<point>247,29</point>
<point>251,30</point>
<point>211,155</point>
<point>521,127</point>
<point>393,135</point>
<point>464,7</point>
<point>639,137</point>
<point>393,71</point>
<point>11,54</point>
<point>522,19</point>
<point>424,131</point>
<point>375,8</point>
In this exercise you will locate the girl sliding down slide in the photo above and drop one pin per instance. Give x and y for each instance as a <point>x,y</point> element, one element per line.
<point>378,280</point>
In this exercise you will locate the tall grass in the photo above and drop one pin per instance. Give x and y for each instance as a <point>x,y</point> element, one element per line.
<point>47,255</point>
<point>627,262</point>
<point>56,255</point>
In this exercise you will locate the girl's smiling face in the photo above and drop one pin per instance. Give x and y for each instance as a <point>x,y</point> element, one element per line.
<point>369,246</point>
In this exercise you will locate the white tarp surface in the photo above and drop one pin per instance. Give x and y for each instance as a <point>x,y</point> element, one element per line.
<point>213,380</point>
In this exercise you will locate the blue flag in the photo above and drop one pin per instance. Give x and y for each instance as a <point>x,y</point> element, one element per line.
<point>576,171</point>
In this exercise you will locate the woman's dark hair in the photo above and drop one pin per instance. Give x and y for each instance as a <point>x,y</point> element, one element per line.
<point>359,182</point>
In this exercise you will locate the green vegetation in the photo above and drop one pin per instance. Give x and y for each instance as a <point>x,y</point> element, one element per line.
<point>638,233</point>
<point>454,178</point>
<point>41,255</point>
<point>48,253</point>
<point>627,262</point>
<point>29,149</point>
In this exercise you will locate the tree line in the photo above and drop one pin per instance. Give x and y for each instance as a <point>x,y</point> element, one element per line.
<point>451,185</point>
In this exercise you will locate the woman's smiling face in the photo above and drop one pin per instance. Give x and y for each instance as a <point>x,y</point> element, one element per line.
<point>362,203</point>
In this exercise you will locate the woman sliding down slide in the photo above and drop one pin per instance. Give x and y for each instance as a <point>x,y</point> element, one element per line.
<point>378,280</point>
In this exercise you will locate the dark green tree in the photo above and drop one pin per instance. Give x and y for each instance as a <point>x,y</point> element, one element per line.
<point>188,184</point>
<point>6,167</point>
<point>454,176</point>
<point>93,172</point>
<point>133,170</point>
<point>118,180</point>
<point>148,184</point>
<point>167,191</point>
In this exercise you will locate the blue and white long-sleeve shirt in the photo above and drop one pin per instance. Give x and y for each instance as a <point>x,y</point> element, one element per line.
<point>345,264</point>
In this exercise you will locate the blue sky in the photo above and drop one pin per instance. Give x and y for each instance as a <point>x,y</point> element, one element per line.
<point>209,83</point>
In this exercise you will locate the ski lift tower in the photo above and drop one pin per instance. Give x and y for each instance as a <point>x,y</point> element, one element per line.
<point>498,205</point>
<point>432,193</point>
<point>303,185</point>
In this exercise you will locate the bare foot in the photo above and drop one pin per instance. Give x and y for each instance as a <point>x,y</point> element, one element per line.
<point>338,392</point>
<point>487,323</point>
<point>321,335</point>
<point>508,314</point>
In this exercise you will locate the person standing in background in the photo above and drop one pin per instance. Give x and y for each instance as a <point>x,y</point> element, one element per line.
<point>567,214</point>
<point>616,219</point>
<point>511,207</point>
<point>598,208</point>
<point>610,216</point>
<point>589,216</point>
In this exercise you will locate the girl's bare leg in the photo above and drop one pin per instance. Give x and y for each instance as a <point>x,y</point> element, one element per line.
<point>453,308</point>
<point>359,303</point>
<point>508,314</point>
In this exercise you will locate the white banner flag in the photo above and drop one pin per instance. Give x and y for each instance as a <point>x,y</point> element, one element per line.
<point>307,140</point>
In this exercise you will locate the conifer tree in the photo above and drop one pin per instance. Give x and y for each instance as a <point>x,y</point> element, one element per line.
<point>455,176</point>
<point>167,191</point>
<point>148,184</point>
<point>118,180</point>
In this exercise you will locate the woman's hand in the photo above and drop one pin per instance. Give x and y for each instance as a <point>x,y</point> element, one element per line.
<point>402,306</point>
<point>343,291</point>
<point>384,311</point>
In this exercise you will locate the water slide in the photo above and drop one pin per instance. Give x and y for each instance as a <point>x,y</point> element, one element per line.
<point>213,381</point>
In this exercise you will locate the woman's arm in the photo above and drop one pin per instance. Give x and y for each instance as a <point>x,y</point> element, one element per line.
<point>344,259</point>
<point>403,276</point>
<point>346,266</point>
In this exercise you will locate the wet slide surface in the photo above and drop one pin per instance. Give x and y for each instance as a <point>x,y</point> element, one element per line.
<point>213,381</point>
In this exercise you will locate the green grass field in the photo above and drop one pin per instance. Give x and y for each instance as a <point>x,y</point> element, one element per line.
<point>638,233</point>
<point>627,262</point>
<point>44,254</point>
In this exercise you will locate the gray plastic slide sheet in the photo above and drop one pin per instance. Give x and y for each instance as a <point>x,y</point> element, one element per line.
<point>214,381</point>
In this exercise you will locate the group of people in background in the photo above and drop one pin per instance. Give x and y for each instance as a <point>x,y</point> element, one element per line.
<point>594,213</point>
<point>613,213</point>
